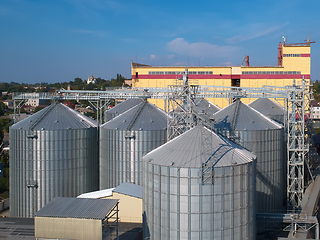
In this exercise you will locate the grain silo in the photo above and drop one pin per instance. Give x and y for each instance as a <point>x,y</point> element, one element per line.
<point>125,139</point>
<point>54,152</point>
<point>269,108</point>
<point>199,186</point>
<point>122,107</point>
<point>263,136</point>
<point>206,107</point>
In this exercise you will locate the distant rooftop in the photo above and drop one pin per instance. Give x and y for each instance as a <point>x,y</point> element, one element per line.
<point>67,207</point>
<point>97,194</point>
<point>129,189</point>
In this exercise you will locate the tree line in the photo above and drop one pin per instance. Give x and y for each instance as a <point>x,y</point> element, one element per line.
<point>76,84</point>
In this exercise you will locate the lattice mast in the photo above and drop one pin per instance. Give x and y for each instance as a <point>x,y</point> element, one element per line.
<point>297,143</point>
<point>179,106</point>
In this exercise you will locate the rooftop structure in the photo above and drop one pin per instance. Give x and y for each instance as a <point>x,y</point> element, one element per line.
<point>122,107</point>
<point>269,108</point>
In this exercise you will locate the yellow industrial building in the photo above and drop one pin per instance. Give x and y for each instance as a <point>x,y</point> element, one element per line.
<point>293,64</point>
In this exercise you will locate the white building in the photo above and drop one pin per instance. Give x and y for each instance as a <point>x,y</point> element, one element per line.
<point>315,111</point>
<point>36,102</point>
<point>91,79</point>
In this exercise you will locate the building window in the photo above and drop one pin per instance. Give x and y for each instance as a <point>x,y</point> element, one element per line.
<point>292,55</point>
<point>271,72</point>
<point>180,73</point>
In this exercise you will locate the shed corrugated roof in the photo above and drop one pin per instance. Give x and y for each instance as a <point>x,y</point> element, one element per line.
<point>56,117</point>
<point>187,150</point>
<point>124,106</point>
<point>267,107</point>
<point>67,207</point>
<point>129,189</point>
<point>97,194</point>
<point>247,118</point>
<point>149,118</point>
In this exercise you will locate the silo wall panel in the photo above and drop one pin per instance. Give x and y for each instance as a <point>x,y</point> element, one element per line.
<point>121,156</point>
<point>268,146</point>
<point>178,206</point>
<point>62,163</point>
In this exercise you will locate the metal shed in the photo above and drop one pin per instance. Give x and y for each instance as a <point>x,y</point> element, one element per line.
<point>178,201</point>
<point>77,218</point>
<point>53,153</point>
<point>130,202</point>
<point>125,139</point>
<point>263,136</point>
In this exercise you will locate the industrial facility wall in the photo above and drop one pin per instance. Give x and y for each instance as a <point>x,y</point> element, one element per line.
<point>130,208</point>
<point>299,57</point>
<point>295,66</point>
<point>268,146</point>
<point>67,228</point>
<point>177,205</point>
<point>121,156</point>
<point>61,163</point>
<point>258,82</point>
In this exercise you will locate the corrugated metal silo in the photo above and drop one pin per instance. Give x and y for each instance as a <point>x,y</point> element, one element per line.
<point>263,136</point>
<point>122,107</point>
<point>178,202</point>
<point>269,108</point>
<point>54,152</point>
<point>125,139</point>
<point>206,107</point>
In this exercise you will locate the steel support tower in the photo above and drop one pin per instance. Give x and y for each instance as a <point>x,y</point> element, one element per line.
<point>297,143</point>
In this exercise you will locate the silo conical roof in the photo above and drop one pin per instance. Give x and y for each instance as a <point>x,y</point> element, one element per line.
<point>124,106</point>
<point>246,118</point>
<point>206,106</point>
<point>144,116</point>
<point>187,150</point>
<point>57,116</point>
<point>267,107</point>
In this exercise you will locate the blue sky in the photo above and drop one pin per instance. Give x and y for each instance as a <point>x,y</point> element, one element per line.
<point>59,40</point>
